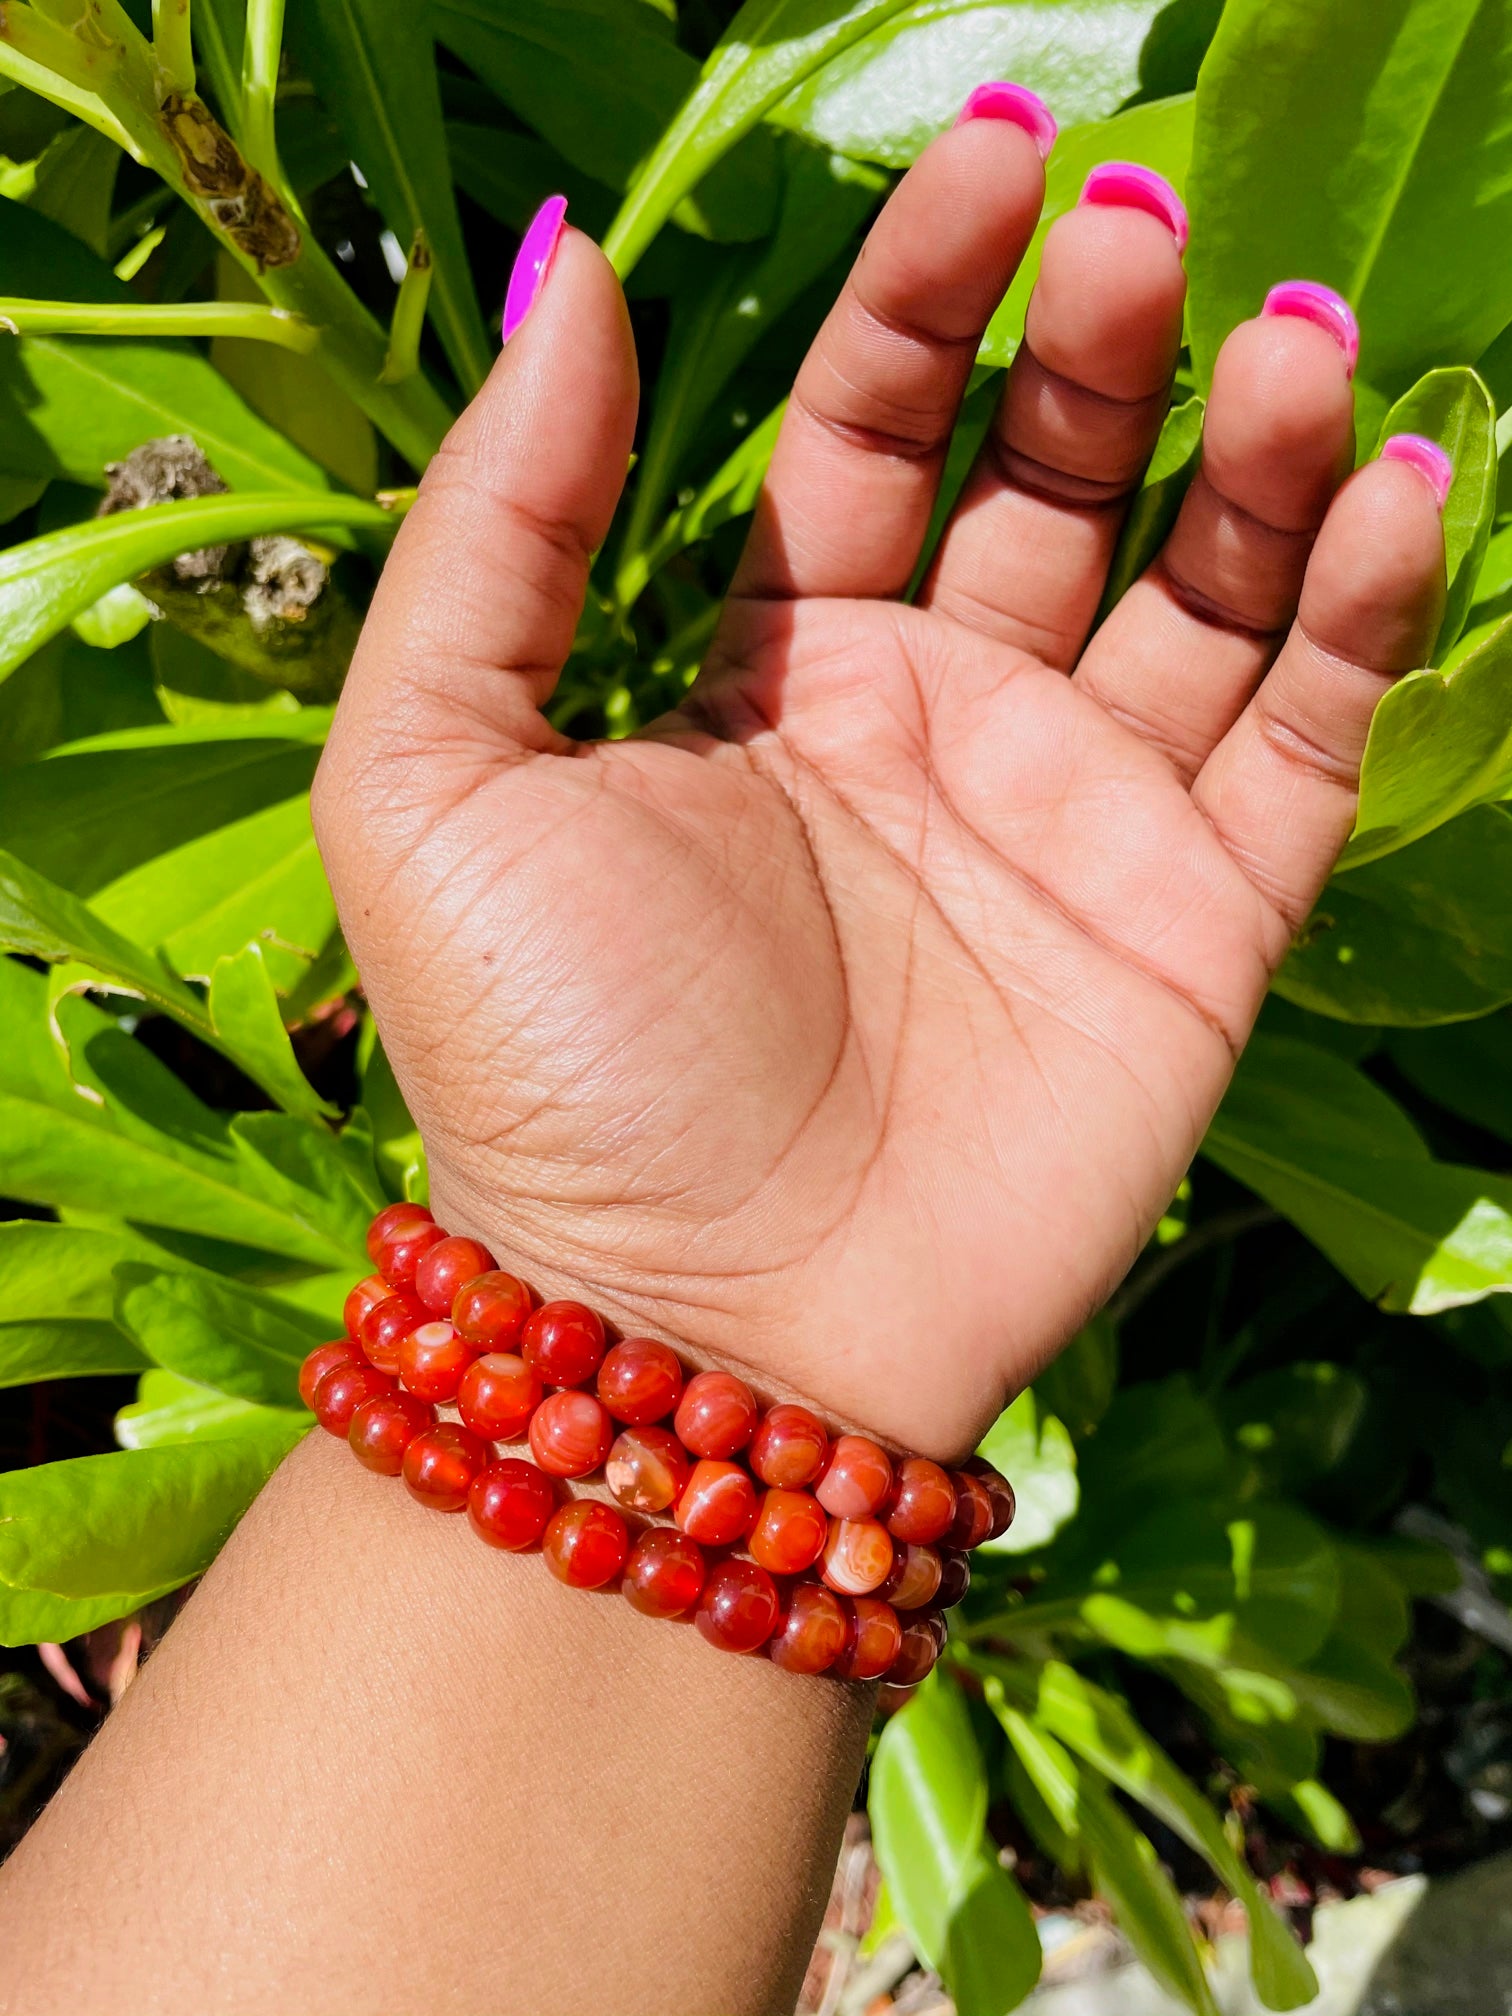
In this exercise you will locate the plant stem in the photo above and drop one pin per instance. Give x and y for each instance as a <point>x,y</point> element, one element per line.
<point>403,358</point>
<point>141,318</point>
<point>171,42</point>
<point>46,60</point>
<point>259,83</point>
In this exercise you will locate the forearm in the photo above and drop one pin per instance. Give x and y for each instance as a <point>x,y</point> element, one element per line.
<point>376,1766</point>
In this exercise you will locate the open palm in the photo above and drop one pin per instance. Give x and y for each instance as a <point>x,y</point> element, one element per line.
<point>857,1020</point>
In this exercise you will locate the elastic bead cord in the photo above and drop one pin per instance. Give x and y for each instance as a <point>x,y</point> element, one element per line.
<point>848,1556</point>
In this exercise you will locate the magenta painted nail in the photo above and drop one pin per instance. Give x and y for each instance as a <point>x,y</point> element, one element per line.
<point>1426,456</point>
<point>533,262</point>
<point>1312,302</point>
<point>1017,103</point>
<point>1127,185</point>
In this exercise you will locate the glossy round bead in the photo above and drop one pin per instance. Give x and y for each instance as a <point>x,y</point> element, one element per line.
<point>585,1544</point>
<point>446,1268</point>
<point>570,1434</point>
<point>856,1478</point>
<point>664,1576</point>
<point>923,1506</point>
<point>790,1448</point>
<point>999,1490</point>
<point>872,1646</point>
<point>385,1327</point>
<point>400,1256</point>
<point>510,1502</point>
<point>923,1642</point>
<point>973,1514</point>
<point>812,1630</point>
<point>361,1299</point>
<point>325,1358</point>
<point>563,1342</point>
<point>640,1381</point>
<point>498,1395</point>
<point>432,1360</point>
<point>955,1580</point>
<point>441,1464</point>
<point>914,1578</point>
<point>342,1391</point>
<point>857,1556</point>
<point>717,1414</point>
<point>647,1469</point>
<point>738,1608</point>
<point>395,1221</point>
<point>789,1533</point>
<point>718,1507</point>
<point>490,1311</point>
<point>381,1430</point>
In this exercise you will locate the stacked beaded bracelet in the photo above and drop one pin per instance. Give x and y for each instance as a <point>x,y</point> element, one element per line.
<point>848,1557</point>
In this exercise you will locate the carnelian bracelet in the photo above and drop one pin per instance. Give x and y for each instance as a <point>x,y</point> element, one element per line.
<point>850,1556</point>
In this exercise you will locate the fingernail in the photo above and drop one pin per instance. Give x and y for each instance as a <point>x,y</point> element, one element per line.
<point>1310,301</point>
<point>532,262</point>
<point>1426,456</point>
<point>1127,185</point>
<point>1017,103</point>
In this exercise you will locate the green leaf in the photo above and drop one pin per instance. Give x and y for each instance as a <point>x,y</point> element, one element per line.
<point>1280,1759</point>
<point>1397,162</point>
<point>511,174</point>
<point>730,492</point>
<point>1453,408</point>
<point>1077,1386</point>
<point>1158,1441</point>
<point>1153,511</point>
<point>1343,1162</point>
<point>218,1333</point>
<point>73,182</point>
<point>887,96</point>
<point>1297,1421</point>
<point>397,1147</point>
<point>1467,1068</point>
<point>374,66</point>
<point>170,1409</point>
<point>1179,38</point>
<point>57,1301</point>
<point>244,1011</point>
<point>1037,1453</point>
<point>1421,936</point>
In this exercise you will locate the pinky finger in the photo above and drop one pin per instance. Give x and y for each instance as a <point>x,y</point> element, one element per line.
<point>1281,788</point>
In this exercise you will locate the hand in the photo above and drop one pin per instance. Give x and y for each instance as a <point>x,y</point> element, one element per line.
<point>857,1020</point>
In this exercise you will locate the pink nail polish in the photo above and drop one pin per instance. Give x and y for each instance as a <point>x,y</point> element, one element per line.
<point>1426,456</point>
<point>1128,185</point>
<point>1310,301</point>
<point>1018,104</point>
<point>533,262</point>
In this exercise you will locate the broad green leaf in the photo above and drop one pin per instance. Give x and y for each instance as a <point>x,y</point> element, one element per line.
<point>600,80</point>
<point>244,1011</point>
<point>34,1351</point>
<point>397,1147</point>
<point>1159,136</point>
<point>374,66</point>
<point>1396,163</point>
<point>45,582</point>
<point>1078,1384</point>
<point>119,615</point>
<point>1179,38</point>
<point>69,689</point>
<point>1158,1441</point>
<point>1453,408</point>
<point>326,1180</point>
<point>1153,510</point>
<point>221,1334</point>
<point>887,96</point>
<point>1420,936</point>
<point>57,1294</point>
<point>1296,1421</point>
<point>510,175</point>
<point>1034,1450</point>
<point>69,405</point>
<point>1342,1161</point>
<point>1279,1758</point>
<point>170,1409</point>
<point>72,183</point>
<point>1467,1068</point>
<point>729,493</point>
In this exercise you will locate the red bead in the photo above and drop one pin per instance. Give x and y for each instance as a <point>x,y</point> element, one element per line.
<point>563,1342</point>
<point>490,1311</point>
<point>664,1576</point>
<point>717,1414</point>
<point>647,1469</point>
<point>875,1636</point>
<point>395,1221</point>
<point>585,1544</point>
<point>382,1429</point>
<point>719,1505</point>
<point>923,1642</point>
<point>924,1505</point>
<point>440,1465</point>
<point>570,1434</point>
<point>790,1449</point>
<point>856,1479</point>
<point>498,1395</point>
<point>342,1391</point>
<point>385,1327</point>
<point>914,1578</point>
<point>812,1631</point>
<point>640,1381</point>
<point>973,1513</point>
<point>857,1556</point>
<point>738,1608</point>
<point>432,1360</point>
<point>510,1502</point>
<point>955,1580</point>
<point>446,1268</point>
<point>325,1358</point>
<point>999,1490</point>
<point>361,1299</point>
<point>789,1533</point>
<point>399,1256</point>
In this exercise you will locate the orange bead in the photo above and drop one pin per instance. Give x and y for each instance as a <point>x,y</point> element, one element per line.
<point>570,1434</point>
<point>647,1469</point>
<point>664,1576</point>
<point>361,1299</point>
<point>857,1556</point>
<point>585,1544</point>
<point>914,1578</point>
<point>342,1391</point>
<point>812,1631</point>
<point>955,1580</point>
<point>325,1358</point>
<point>973,1513</point>
<point>738,1608</point>
<point>383,1428</point>
<point>490,1311</point>
<point>718,1506</point>
<point>432,1360</point>
<point>998,1489</point>
<point>498,1395</point>
<point>923,1507</point>
<point>563,1343</point>
<point>400,1256</point>
<point>444,1269</point>
<point>395,1221</point>
<point>509,1503</point>
<point>385,1325</point>
<point>640,1381</point>
<point>874,1641</point>
<point>717,1414</point>
<point>856,1479</point>
<point>790,1448</point>
<point>440,1465</point>
<point>922,1643</point>
<point>789,1533</point>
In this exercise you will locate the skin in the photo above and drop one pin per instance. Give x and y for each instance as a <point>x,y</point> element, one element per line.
<point>852,1025</point>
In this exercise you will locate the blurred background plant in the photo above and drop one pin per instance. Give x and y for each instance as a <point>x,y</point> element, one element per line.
<point>249,269</point>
